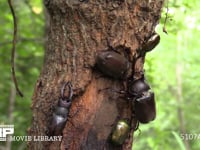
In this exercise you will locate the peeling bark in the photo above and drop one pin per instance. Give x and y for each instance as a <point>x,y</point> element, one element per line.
<point>78,30</point>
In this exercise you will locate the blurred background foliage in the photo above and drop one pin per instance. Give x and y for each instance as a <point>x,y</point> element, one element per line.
<point>29,58</point>
<point>171,68</point>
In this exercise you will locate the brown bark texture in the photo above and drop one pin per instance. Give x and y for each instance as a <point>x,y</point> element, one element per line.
<point>78,30</point>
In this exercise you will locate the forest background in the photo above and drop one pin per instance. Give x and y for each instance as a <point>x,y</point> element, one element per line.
<point>172,68</point>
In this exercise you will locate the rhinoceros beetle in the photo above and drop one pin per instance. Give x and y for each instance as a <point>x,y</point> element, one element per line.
<point>113,63</point>
<point>137,87</point>
<point>120,132</point>
<point>143,99</point>
<point>139,90</point>
<point>60,115</point>
<point>145,110</point>
<point>116,65</point>
<point>151,43</point>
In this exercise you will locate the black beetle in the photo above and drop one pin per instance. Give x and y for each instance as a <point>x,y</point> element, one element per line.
<point>120,132</point>
<point>137,87</point>
<point>60,115</point>
<point>112,64</point>
<point>145,109</point>
<point>151,43</point>
<point>143,99</point>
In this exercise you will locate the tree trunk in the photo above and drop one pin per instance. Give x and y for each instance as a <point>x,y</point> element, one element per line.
<point>78,30</point>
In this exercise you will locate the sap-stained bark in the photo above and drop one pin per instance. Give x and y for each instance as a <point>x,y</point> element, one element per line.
<point>78,30</point>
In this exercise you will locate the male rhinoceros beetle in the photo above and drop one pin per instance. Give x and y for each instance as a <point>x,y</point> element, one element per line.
<point>143,99</point>
<point>137,87</point>
<point>60,115</point>
<point>120,132</point>
<point>112,64</point>
<point>145,110</point>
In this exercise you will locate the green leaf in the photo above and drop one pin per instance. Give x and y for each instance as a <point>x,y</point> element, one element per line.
<point>179,140</point>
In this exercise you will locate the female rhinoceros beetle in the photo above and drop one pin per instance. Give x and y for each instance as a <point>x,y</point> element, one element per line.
<point>143,99</point>
<point>148,45</point>
<point>151,43</point>
<point>120,132</point>
<point>60,115</point>
<point>112,64</point>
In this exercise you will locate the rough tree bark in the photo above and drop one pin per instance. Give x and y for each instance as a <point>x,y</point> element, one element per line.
<point>78,30</point>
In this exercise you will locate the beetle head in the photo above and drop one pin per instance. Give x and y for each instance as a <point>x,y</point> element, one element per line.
<point>139,86</point>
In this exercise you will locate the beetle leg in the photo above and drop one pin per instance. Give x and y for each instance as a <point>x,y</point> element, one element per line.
<point>112,90</point>
<point>120,92</point>
<point>110,47</point>
<point>137,126</point>
<point>135,58</point>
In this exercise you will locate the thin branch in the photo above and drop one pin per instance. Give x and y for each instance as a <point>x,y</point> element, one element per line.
<point>166,18</point>
<point>14,48</point>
